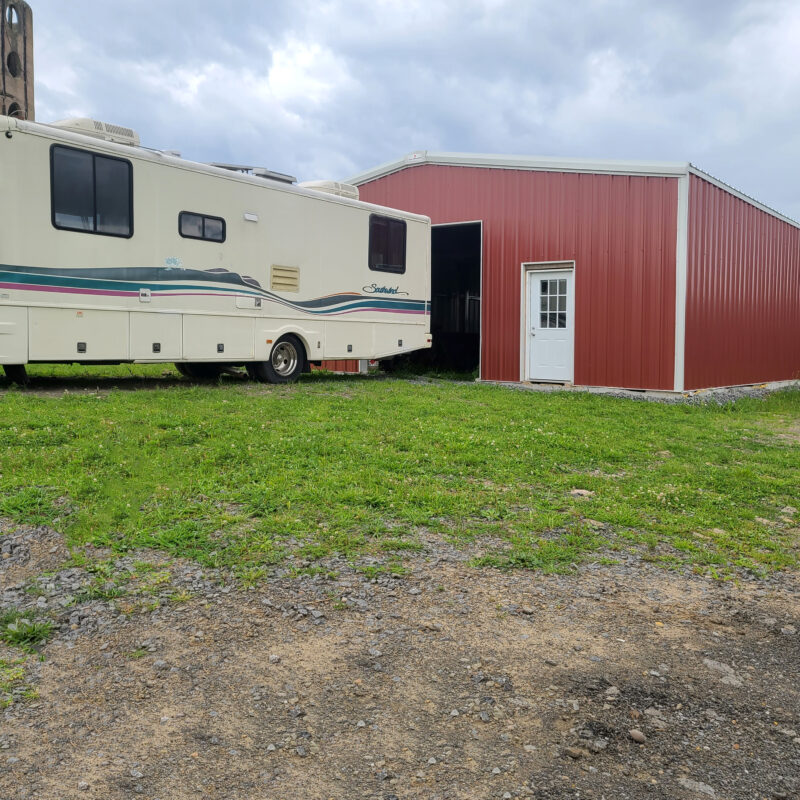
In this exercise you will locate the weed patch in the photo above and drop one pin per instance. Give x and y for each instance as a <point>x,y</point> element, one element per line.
<point>20,629</point>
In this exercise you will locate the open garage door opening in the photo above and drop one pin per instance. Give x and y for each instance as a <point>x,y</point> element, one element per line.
<point>456,296</point>
<point>455,302</point>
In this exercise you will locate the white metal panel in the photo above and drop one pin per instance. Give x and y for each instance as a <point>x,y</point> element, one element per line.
<point>165,159</point>
<point>59,334</point>
<point>164,330</point>
<point>339,336</point>
<point>13,335</point>
<point>681,270</point>
<point>203,336</point>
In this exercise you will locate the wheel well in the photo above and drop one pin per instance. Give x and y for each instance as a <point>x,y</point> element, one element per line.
<point>303,341</point>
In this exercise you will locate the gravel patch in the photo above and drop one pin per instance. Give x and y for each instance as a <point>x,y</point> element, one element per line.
<point>166,680</point>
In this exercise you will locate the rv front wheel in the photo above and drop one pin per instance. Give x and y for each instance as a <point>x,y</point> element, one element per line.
<point>286,362</point>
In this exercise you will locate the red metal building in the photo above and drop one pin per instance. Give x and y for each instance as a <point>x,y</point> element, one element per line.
<point>618,274</point>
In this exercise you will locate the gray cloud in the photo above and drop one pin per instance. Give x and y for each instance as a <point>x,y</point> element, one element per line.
<point>326,89</point>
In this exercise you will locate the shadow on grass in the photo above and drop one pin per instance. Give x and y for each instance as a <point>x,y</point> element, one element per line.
<point>56,379</point>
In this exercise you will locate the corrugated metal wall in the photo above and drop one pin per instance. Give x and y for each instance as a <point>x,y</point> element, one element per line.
<point>743,292</point>
<point>348,365</point>
<point>620,231</point>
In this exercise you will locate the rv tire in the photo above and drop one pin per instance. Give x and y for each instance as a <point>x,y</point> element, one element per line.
<point>286,362</point>
<point>200,371</point>
<point>16,373</point>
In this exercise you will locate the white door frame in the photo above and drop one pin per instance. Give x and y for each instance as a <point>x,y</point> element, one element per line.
<point>524,339</point>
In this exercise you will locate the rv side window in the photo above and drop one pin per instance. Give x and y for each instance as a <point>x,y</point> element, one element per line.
<point>91,193</point>
<point>201,226</point>
<point>387,244</point>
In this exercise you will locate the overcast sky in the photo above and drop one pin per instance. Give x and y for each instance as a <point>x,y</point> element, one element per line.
<point>328,89</point>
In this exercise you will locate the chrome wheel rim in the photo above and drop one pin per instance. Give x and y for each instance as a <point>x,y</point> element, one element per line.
<point>284,359</point>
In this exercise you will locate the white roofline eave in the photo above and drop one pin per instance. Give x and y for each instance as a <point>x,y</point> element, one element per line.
<point>742,196</point>
<point>535,163</point>
<point>671,169</point>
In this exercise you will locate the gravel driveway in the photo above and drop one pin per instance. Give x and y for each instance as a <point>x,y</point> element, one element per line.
<point>618,681</point>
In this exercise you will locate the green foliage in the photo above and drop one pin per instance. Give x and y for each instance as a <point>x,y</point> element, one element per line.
<point>20,629</point>
<point>12,675</point>
<point>240,476</point>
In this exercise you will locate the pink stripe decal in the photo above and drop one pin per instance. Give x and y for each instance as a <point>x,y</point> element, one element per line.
<point>25,287</point>
<point>380,310</point>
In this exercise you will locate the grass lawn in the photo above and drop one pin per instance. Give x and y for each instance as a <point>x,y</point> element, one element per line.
<point>246,476</point>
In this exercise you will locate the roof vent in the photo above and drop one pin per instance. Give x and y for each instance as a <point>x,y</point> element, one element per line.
<point>332,187</point>
<point>99,130</point>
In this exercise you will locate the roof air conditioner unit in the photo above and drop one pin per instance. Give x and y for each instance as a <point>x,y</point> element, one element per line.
<point>99,130</point>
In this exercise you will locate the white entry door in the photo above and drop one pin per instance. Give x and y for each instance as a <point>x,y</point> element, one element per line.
<point>551,325</point>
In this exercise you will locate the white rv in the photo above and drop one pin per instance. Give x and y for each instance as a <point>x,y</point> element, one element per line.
<point>111,252</point>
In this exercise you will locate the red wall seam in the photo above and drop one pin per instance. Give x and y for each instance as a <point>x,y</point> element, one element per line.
<point>743,292</point>
<point>621,232</point>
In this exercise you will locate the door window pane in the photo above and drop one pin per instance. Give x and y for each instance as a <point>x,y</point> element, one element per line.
<point>553,302</point>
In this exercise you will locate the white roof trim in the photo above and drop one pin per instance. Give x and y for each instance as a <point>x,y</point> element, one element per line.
<point>537,163</point>
<point>670,169</point>
<point>741,195</point>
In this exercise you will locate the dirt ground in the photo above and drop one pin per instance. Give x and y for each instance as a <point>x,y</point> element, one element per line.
<point>622,681</point>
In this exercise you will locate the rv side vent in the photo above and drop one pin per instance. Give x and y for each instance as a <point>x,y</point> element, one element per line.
<point>99,130</point>
<point>332,187</point>
<point>284,279</point>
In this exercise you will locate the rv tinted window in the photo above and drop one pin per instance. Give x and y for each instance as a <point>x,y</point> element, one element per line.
<point>200,226</point>
<point>387,244</point>
<point>90,192</point>
<point>73,189</point>
<point>113,196</point>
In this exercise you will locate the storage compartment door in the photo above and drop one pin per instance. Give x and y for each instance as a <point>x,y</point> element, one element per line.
<point>156,337</point>
<point>348,339</point>
<point>13,335</point>
<point>69,334</point>
<point>207,338</point>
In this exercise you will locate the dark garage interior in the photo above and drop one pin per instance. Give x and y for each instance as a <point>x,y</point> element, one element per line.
<point>456,296</point>
<point>455,300</point>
